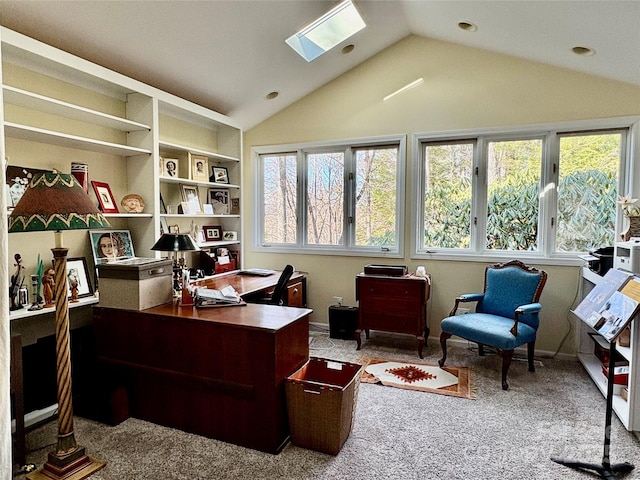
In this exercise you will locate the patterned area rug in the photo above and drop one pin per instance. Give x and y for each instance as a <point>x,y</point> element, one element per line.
<point>453,381</point>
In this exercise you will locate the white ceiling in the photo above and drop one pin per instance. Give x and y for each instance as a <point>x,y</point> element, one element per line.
<point>228,55</point>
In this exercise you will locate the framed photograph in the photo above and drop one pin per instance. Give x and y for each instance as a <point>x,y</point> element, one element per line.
<point>17,180</point>
<point>219,175</point>
<point>78,273</point>
<point>110,245</point>
<point>230,235</point>
<point>105,197</point>
<point>199,167</point>
<point>235,206</point>
<point>212,233</point>
<point>164,226</point>
<point>219,200</point>
<point>170,167</point>
<point>190,196</point>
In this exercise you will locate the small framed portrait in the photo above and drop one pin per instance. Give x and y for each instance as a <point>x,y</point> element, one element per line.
<point>219,200</point>
<point>111,245</point>
<point>212,233</point>
<point>190,195</point>
<point>230,235</point>
<point>170,167</point>
<point>78,278</point>
<point>105,197</point>
<point>219,175</point>
<point>199,167</point>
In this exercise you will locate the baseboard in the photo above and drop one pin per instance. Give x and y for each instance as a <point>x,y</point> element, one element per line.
<point>459,342</point>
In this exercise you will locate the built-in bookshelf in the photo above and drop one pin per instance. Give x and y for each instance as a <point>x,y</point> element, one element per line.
<point>627,410</point>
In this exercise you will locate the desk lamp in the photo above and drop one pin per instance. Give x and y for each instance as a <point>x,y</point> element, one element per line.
<point>176,242</point>
<point>56,201</point>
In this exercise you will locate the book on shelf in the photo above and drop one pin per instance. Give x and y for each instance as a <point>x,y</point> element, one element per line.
<point>610,308</point>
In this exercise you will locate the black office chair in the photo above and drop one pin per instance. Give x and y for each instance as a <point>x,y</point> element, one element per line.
<point>277,297</point>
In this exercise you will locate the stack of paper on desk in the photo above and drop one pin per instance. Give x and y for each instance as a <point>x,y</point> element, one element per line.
<point>207,297</point>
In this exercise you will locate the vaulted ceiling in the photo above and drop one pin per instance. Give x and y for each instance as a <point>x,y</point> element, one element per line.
<point>228,55</point>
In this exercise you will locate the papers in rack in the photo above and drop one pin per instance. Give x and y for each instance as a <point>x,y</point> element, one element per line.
<point>611,305</point>
<point>206,297</point>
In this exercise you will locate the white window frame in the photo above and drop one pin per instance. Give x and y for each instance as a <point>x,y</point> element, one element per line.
<point>628,182</point>
<point>348,248</point>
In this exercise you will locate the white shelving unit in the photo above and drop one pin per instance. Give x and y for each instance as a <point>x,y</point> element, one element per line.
<point>628,411</point>
<point>59,108</point>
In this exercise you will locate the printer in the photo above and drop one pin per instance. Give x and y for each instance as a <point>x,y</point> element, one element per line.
<point>627,256</point>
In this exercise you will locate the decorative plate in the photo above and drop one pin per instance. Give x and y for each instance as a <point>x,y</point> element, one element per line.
<point>132,203</point>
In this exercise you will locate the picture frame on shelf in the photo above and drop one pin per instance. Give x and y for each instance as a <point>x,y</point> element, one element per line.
<point>105,198</point>
<point>235,206</point>
<point>170,167</point>
<point>212,233</point>
<point>78,271</point>
<point>190,195</point>
<point>110,245</point>
<point>164,226</point>
<point>219,175</point>
<point>230,235</point>
<point>207,209</point>
<point>219,199</point>
<point>199,167</point>
<point>163,206</point>
<point>17,179</point>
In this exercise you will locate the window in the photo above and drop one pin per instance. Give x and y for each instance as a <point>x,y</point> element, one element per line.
<point>332,198</point>
<point>537,190</point>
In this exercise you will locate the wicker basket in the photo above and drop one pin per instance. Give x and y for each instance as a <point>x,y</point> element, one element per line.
<point>321,401</point>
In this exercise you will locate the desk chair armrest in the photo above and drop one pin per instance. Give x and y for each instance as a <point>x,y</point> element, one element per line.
<point>467,297</point>
<point>524,310</point>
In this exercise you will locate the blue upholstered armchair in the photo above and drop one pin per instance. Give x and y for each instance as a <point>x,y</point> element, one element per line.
<point>506,315</point>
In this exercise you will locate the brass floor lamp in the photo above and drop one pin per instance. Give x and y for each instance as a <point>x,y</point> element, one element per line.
<point>56,201</point>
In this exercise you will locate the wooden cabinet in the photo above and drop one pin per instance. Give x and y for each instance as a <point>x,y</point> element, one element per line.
<point>393,304</point>
<point>628,411</point>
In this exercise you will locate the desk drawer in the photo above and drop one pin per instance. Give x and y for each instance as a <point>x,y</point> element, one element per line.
<point>295,295</point>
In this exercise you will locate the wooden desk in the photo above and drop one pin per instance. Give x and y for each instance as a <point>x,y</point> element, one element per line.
<point>393,304</point>
<point>248,285</point>
<point>216,372</point>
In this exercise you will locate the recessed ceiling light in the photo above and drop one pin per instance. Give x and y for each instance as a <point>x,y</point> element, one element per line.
<point>348,48</point>
<point>467,26</point>
<point>332,28</point>
<point>272,95</point>
<point>584,51</point>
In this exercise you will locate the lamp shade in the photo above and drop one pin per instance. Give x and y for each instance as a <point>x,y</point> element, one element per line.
<point>175,242</point>
<point>55,201</point>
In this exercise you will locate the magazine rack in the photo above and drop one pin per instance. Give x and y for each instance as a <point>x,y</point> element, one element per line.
<point>608,309</point>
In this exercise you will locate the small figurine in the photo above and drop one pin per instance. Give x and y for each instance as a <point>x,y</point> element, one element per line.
<point>74,291</point>
<point>48,282</point>
<point>17,280</point>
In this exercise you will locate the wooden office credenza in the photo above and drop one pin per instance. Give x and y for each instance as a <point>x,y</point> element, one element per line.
<point>216,372</point>
<point>393,304</point>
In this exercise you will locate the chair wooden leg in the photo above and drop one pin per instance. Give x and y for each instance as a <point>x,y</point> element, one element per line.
<point>530,350</point>
<point>506,363</point>
<point>443,343</point>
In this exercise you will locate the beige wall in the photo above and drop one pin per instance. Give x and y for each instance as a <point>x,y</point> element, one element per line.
<point>463,88</point>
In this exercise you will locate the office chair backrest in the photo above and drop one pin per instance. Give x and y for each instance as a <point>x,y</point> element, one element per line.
<point>278,292</point>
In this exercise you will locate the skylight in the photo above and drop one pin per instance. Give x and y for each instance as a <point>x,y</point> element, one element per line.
<point>335,26</point>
